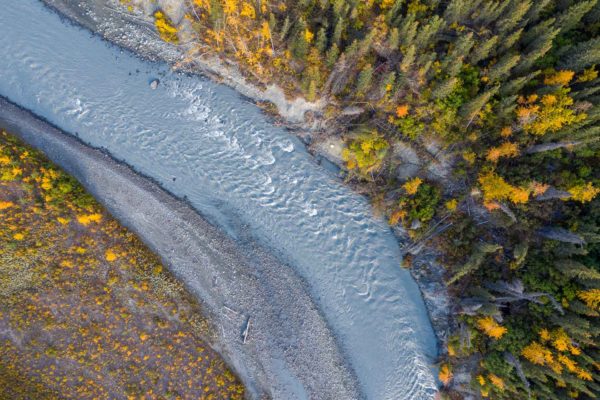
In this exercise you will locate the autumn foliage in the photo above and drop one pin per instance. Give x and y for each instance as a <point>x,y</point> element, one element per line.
<point>86,310</point>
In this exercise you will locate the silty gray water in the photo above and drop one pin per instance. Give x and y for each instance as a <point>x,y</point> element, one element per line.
<point>202,141</point>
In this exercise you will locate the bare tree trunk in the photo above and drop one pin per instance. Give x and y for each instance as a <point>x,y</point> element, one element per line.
<point>539,148</point>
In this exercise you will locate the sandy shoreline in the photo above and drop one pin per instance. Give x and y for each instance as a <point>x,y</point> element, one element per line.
<point>290,352</point>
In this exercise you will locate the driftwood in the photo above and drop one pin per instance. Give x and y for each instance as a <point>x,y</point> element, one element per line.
<point>560,235</point>
<point>515,291</point>
<point>508,212</point>
<point>512,360</point>
<point>553,193</point>
<point>540,148</point>
<point>246,331</point>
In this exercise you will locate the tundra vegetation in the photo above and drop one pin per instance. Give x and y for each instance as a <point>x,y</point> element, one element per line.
<point>508,91</point>
<point>86,310</point>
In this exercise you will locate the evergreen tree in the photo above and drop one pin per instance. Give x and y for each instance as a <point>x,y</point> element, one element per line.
<point>502,68</point>
<point>408,59</point>
<point>427,32</point>
<point>444,88</point>
<point>539,40</point>
<point>458,11</point>
<point>469,110</point>
<point>364,79</point>
<point>454,59</point>
<point>300,44</point>
<point>571,17</point>
<point>408,30</point>
<point>513,16</point>
<point>490,11</point>
<point>508,43</point>
<point>321,43</point>
<point>483,50</point>
<point>582,55</point>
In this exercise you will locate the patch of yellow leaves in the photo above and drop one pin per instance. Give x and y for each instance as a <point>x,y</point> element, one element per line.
<point>165,28</point>
<point>496,188</point>
<point>19,236</point>
<point>445,374</point>
<point>491,328</point>
<point>110,256</point>
<point>6,204</point>
<point>402,110</point>
<point>584,192</point>
<point>506,149</point>
<point>560,78</point>
<point>411,186</point>
<point>591,298</point>
<point>85,220</point>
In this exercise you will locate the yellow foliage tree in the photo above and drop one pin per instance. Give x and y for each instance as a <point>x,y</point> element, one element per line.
<point>536,353</point>
<point>110,255</point>
<point>6,204</point>
<point>548,114</point>
<point>491,328</point>
<point>497,381</point>
<point>591,297</point>
<point>365,153</point>
<point>445,374</point>
<point>588,74</point>
<point>584,192</point>
<point>506,149</point>
<point>561,78</point>
<point>452,204</point>
<point>494,187</point>
<point>165,28</point>
<point>411,186</point>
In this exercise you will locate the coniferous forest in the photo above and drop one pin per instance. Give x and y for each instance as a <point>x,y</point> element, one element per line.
<point>508,90</point>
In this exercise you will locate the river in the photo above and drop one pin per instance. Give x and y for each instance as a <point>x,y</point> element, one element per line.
<point>204,142</point>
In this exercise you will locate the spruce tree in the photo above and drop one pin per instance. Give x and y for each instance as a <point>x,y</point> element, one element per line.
<point>300,44</point>
<point>483,50</point>
<point>539,41</point>
<point>321,43</point>
<point>508,43</point>
<point>457,11</point>
<point>444,88</point>
<point>513,16</point>
<point>408,59</point>
<point>582,55</point>
<point>408,30</point>
<point>502,68</point>
<point>428,32</point>
<point>469,110</point>
<point>572,16</point>
<point>364,80</point>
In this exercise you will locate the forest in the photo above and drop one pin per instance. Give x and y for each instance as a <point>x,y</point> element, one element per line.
<point>508,90</point>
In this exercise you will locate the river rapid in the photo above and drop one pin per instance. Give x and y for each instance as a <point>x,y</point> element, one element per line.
<point>205,143</point>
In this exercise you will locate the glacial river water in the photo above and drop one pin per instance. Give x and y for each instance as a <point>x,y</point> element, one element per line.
<point>202,141</point>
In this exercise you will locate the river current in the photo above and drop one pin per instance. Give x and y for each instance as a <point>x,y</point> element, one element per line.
<point>203,142</point>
